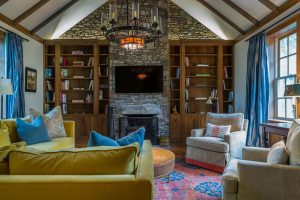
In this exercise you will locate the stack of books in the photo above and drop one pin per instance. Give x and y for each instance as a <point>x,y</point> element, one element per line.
<point>78,63</point>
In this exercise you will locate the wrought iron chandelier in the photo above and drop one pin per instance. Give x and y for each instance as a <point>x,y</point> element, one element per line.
<point>135,33</point>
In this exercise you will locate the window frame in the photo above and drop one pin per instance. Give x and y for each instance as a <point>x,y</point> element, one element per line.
<point>277,72</point>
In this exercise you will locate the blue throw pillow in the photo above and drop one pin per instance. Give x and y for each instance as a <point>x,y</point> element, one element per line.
<point>136,136</point>
<point>34,132</point>
<point>96,139</point>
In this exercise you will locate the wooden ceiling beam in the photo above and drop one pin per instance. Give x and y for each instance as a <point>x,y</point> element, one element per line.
<point>241,11</point>
<point>269,5</point>
<point>281,9</point>
<point>52,17</point>
<point>31,10</point>
<point>2,2</point>
<point>221,16</point>
<point>20,28</point>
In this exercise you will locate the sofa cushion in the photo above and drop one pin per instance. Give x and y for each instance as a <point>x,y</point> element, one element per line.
<point>53,121</point>
<point>55,144</point>
<point>236,120</point>
<point>4,135</point>
<point>208,143</point>
<point>278,154</point>
<point>86,161</point>
<point>32,133</point>
<point>293,143</point>
<point>217,130</point>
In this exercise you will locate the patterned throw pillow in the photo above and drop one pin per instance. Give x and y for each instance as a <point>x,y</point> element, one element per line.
<point>216,130</point>
<point>53,121</point>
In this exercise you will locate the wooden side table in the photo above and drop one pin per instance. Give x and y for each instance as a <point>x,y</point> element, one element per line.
<point>281,129</point>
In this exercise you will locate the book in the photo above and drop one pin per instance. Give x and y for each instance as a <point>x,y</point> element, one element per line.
<point>64,73</point>
<point>187,61</point>
<point>187,82</point>
<point>186,95</point>
<point>49,85</point>
<point>78,63</point>
<point>89,98</point>
<point>77,101</point>
<point>225,72</point>
<point>224,84</point>
<point>214,93</point>
<point>64,98</point>
<point>202,65</point>
<point>177,72</point>
<point>100,94</point>
<point>187,107</point>
<point>66,85</point>
<point>91,85</point>
<point>49,73</point>
<point>65,109</point>
<point>91,62</point>
<point>91,73</point>
<point>77,52</point>
<point>230,96</point>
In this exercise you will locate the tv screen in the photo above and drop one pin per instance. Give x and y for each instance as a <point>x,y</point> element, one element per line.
<point>139,79</point>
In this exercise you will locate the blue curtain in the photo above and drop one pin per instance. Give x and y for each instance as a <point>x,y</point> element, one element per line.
<point>15,104</point>
<point>257,93</point>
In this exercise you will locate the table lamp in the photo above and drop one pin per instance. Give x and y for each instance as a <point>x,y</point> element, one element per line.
<point>5,89</point>
<point>293,91</point>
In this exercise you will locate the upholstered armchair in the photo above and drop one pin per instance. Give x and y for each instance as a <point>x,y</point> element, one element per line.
<point>213,152</point>
<point>258,176</point>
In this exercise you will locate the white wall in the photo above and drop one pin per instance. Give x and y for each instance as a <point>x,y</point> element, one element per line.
<point>241,50</point>
<point>33,58</point>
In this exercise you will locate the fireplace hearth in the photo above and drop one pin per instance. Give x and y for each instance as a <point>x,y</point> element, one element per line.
<point>131,122</point>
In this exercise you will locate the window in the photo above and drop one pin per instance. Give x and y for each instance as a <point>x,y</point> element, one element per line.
<point>2,54</point>
<point>285,75</point>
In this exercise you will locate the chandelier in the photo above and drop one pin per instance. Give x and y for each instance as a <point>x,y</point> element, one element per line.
<point>134,33</point>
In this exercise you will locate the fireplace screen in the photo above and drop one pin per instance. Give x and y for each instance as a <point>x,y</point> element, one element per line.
<point>130,123</point>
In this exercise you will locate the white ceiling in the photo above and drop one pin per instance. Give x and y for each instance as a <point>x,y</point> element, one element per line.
<point>81,9</point>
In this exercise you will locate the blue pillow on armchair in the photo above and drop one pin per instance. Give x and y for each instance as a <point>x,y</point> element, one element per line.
<point>96,139</point>
<point>34,132</point>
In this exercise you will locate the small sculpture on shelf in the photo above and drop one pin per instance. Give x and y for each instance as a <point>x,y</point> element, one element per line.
<point>174,109</point>
<point>213,101</point>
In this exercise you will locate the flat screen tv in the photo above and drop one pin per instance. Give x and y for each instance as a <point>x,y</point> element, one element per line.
<point>139,79</point>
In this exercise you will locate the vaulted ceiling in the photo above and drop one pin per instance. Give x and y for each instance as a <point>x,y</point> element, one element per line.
<point>229,19</point>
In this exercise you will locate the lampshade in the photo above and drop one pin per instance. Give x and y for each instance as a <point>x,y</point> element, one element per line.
<point>292,90</point>
<point>5,86</point>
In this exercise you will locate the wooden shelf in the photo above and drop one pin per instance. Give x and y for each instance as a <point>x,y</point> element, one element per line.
<point>49,66</point>
<point>200,54</point>
<point>77,90</point>
<point>73,67</point>
<point>201,77</point>
<point>199,67</point>
<point>77,103</point>
<point>75,55</point>
<point>77,78</point>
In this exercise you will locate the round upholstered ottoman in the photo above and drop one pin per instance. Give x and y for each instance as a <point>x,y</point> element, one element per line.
<point>164,162</point>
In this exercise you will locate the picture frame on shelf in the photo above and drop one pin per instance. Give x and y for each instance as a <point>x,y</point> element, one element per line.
<point>30,79</point>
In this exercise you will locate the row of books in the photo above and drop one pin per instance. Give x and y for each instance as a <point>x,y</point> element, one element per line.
<point>50,96</point>
<point>49,72</point>
<point>49,85</point>
<point>88,99</point>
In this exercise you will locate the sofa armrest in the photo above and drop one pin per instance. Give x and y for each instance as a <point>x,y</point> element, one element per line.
<point>145,169</point>
<point>199,132</point>
<point>255,154</point>
<point>236,141</point>
<point>260,180</point>
<point>70,128</point>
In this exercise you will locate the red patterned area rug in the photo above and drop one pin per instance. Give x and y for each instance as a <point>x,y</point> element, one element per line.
<point>188,182</point>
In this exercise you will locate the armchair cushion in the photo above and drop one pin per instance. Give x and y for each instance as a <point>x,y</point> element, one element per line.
<point>217,130</point>
<point>208,143</point>
<point>278,154</point>
<point>236,120</point>
<point>293,143</point>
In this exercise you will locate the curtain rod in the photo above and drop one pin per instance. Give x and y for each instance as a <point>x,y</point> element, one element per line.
<point>1,27</point>
<point>275,24</point>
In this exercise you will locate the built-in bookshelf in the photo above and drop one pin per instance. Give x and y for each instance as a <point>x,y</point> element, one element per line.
<point>49,80</point>
<point>228,80</point>
<point>175,78</point>
<point>201,72</point>
<point>103,78</point>
<point>76,76</point>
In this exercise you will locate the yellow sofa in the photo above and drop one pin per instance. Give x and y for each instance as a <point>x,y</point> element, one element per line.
<point>138,185</point>
<point>54,144</point>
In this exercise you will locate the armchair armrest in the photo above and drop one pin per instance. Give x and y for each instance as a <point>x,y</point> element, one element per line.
<point>268,181</point>
<point>255,154</point>
<point>236,141</point>
<point>198,132</point>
